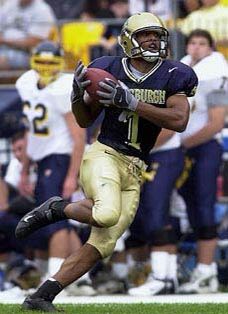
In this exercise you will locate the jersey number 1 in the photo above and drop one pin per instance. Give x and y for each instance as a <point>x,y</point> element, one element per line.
<point>133,124</point>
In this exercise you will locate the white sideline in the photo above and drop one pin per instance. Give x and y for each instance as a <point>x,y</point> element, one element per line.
<point>200,298</point>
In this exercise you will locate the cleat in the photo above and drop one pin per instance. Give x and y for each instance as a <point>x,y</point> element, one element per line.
<point>81,288</point>
<point>151,287</point>
<point>37,218</point>
<point>201,282</point>
<point>38,304</point>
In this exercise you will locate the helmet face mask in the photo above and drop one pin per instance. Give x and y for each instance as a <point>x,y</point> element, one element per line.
<point>47,60</point>
<point>140,22</point>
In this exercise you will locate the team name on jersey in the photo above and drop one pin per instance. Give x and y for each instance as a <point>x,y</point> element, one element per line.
<point>151,96</point>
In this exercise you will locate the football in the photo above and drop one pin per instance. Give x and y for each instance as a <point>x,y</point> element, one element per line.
<point>96,75</point>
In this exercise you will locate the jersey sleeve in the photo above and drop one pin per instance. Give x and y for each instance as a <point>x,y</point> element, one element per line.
<point>22,81</point>
<point>103,63</point>
<point>217,92</point>
<point>183,82</point>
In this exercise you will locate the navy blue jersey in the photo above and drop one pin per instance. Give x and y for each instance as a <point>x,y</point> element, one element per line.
<point>124,130</point>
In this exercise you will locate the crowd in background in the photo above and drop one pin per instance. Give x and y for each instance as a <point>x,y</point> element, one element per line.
<point>70,22</point>
<point>88,29</point>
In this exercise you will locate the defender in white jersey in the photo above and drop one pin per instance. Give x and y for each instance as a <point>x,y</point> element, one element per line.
<point>201,141</point>
<point>55,141</point>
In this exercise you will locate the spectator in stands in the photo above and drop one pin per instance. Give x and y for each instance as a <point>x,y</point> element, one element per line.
<point>201,142</point>
<point>23,24</point>
<point>213,17</point>
<point>66,9</point>
<point>96,9</point>
<point>187,6</point>
<point>14,206</point>
<point>162,8</point>
<point>120,11</point>
<point>13,171</point>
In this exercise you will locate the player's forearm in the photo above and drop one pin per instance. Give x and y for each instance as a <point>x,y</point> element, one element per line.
<point>26,162</point>
<point>23,44</point>
<point>202,136</point>
<point>76,157</point>
<point>4,194</point>
<point>81,113</point>
<point>168,118</point>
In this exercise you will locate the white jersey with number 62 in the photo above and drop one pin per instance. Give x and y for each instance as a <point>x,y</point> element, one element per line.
<point>45,109</point>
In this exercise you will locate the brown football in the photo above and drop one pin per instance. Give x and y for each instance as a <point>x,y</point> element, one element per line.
<point>96,75</point>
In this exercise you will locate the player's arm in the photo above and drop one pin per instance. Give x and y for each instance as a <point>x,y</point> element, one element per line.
<point>83,112</point>
<point>23,44</point>
<point>82,109</point>
<point>215,124</point>
<point>174,117</point>
<point>4,194</point>
<point>79,137</point>
<point>25,187</point>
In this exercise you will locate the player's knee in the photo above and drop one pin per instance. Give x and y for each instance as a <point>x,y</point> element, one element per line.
<point>108,218</point>
<point>163,237</point>
<point>109,248</point>
<point>206,232</point>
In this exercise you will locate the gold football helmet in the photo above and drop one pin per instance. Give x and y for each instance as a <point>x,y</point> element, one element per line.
<point>47,60</point>
<point>143,22</point>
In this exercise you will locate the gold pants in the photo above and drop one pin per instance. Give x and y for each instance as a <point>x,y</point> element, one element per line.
<point>113,181</point>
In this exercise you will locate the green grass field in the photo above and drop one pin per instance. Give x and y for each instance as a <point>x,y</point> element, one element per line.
<point>128,309</point>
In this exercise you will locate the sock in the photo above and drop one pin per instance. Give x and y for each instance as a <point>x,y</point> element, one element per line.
<point>204,268</point>
<point>172,267</point>
<point>159,264</point>
<point>54,264</point>
<point>48,290</point>
<point>120,270</point>
<point>57,210</point>
<point>42,265</point>
<point>3,266</point>
<point>130,261</point>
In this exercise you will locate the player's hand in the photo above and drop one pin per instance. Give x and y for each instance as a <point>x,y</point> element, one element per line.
<point>117,95</point>
<point>69,186</point>
<point>79,82</point>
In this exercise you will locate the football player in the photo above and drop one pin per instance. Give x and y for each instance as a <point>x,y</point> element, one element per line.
<point>152,225</point>
<point>151,94</point>
<point>201,141</point>
<point>55,142</point>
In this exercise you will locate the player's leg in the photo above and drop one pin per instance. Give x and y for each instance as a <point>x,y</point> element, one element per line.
<point>207,164</point>
<point>102,240</point>
<point>155,226</point>
<point>101,181</point>
<point>56,209</point>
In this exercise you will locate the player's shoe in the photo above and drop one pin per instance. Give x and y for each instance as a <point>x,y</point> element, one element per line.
<point>37,218</point>
<point>151,287</point>
<point>201,282</point>
<point>82,287</point>
<point>38,304</point>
